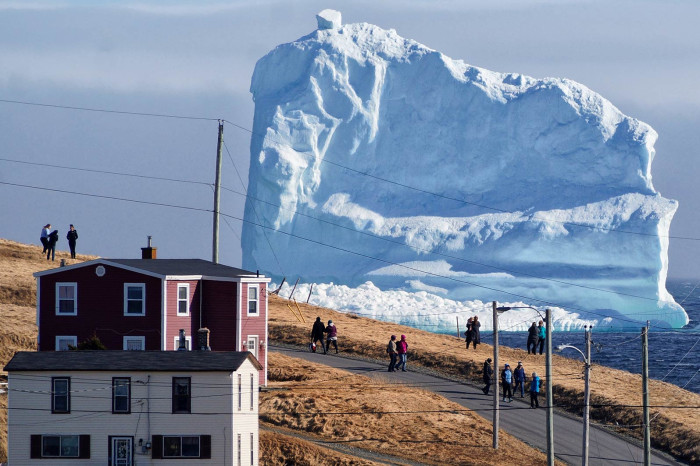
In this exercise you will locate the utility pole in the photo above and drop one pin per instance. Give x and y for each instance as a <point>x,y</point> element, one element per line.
<point>587,396</point>
<point>550,401</point>
<point>645,395</point>
<point>217,196</point>
<point>495,376</point>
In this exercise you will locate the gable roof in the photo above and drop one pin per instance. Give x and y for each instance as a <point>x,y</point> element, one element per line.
<point>141,361</point>
<point>168,267</point>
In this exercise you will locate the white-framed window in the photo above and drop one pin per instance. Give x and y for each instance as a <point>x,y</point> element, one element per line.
<point>253,298</point>
<point>240,396</point>
<point>62,342</point>
<point>239,450</point>
<point>60,446</point>
<point>188,343</point>
<point>134,343</point>
<point>183,299</point>
<point>252,449</point>
<point>181,446</point>
<point>252,344</point>
<point>66,299</point>
<point>252,391</point>
<point>121,395</point>
<point>60,395</point>
<point>134,299</point>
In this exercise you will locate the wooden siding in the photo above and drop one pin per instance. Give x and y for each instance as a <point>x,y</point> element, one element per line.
<point>256,325</point>
<point>175,322</point>
<point>219,309</point>
<point>100,308</point>
<point>212,392</point>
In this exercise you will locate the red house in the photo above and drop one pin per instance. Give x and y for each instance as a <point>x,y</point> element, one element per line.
<point>141,304</point>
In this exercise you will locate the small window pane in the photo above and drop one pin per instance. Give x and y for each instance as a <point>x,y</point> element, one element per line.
<point>66,292</point>
<point>182,292</point>
<point>51,445</point>
<point>135,292</point>
<point>69,445</point>
<point>190,446</point>
<point>182,307</point>
<point>181,395</point>
<point>171,446</point>
<point>134,307</point>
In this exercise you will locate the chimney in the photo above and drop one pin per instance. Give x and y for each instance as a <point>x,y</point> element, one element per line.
<point>63,262</point>
<point>183,341</point>
<point>148,252</point>
<point>203,339</point>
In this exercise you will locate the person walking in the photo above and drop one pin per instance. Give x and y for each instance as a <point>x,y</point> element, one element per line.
<point>72,237</point>
<point>393,355</point>
<point>332,336</point>
<point>51,247</point>
<point>45,232</point>
<point>507,380</point>
<point>402,350</point>
<point>541,336</point>
<point>532,335</point>
<point>317,333</point>
<point>519,376</point>
<point>476,335</point>
<point>534,391</point>
<point>487,374</point>
<point>469,335</point>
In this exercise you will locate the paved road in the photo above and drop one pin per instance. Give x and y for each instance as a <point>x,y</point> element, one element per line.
<point>516,418</point>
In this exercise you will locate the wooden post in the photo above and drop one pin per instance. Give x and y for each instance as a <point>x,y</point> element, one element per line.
<point>217,197</point>
<point>311,289</point>
<point>496,394</point>
<point>645,396</point>
<point>294,289</point>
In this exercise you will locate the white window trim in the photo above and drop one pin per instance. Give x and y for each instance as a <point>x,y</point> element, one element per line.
<point>75,299</point>
<point>256,287</point>
<point>142,339</point>
<point>73,338</point>
<point>177,309</point>
<point>126,300</point>
<point>256,340</point>
<point>176,343</point>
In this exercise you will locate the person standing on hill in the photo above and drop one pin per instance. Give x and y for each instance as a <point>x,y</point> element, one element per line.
<point>541,336</point>
<point>507,380</point>
<point>317,333</point>
<point>534,391</point>
<point>393,355</point>
<point>332,336</point>
<point>469,335</point>
<point>402,349</point>
<point>519,376</point>
<point>532,335</point>
<point>44,238</point>
<point>72,237</point>
<point>476,334</point>
<point>487,374</point>
<point>51,247</point>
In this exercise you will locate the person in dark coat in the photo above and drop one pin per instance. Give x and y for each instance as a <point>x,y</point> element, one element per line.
<point>519,377</point>
<point>72,237</point>
<point>317,333</point>
<point>487,374</point>
<point>532,338</point>
<point>51,247</point>
<point>45,232</point>
<point>393,355</point>
<point>332,336</point>
<point>469,334</point>
<point>476,335</point>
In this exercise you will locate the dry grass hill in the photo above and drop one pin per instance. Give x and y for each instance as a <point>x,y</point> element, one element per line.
<point>288,438</point>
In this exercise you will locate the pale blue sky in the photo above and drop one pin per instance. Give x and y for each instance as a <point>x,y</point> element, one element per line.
<point>196,58</point>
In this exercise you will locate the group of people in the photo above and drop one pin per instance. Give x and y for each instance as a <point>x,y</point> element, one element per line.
<point>50,238</point>
<point>536,336</point>
<point>331,332</point>
<point>397,351</point>
<point>473,335</point>
<point>511,381</point>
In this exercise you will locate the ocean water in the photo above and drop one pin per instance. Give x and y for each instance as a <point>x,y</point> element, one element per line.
<point>674,356</point>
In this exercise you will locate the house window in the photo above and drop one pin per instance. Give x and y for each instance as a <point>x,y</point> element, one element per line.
<point>183,299</point>
<point>60,395</point>
<point>63,342</point>
<point>66,299</point>
<point>252,449</point>
<point>176,343</point>
<point>252,345</point>
<point>134,299</point>
<point>253,299</point>
<point>59,446</point>
<point>240,392</point>
<point>239,449</point>
<point>134,343</point>
<point>182,396</point>
<point>252,390</point>
<point>181,446</point>
<point>121,395</point>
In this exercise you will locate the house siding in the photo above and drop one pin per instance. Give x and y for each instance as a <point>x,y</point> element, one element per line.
<point>175,322</point>
<point>212,392</point>
<point>256,324</point>
<point>100,308</point>
<point>219,313</point>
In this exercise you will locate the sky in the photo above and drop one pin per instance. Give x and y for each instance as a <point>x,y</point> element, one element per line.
<point>195,60</point>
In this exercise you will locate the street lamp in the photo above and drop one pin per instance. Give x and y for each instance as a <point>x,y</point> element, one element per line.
<point>548,370</point>
<point>586,390</point>
<point>496,412</point>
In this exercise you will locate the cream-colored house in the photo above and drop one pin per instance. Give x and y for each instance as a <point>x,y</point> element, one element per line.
<point>127,408</point>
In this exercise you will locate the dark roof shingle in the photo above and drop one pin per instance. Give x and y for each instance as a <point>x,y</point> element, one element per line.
<point>184,267</point>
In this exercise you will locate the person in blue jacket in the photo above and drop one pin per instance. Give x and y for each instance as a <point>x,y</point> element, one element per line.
<point>534,391</point>
<point>541,336</point>
<point>519,376</point>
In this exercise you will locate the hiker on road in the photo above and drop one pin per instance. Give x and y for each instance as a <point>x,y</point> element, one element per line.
<point>402,349</point>
<point>532,335</point>
<point>534,391</point>
<point>519,376</point>
<point>487,374</point>
<point>332,336</point>
<point>317,333</point>
<point>507,380</point>
<point>541,336</point>
<point>72,237</point>
<point>393,355</point>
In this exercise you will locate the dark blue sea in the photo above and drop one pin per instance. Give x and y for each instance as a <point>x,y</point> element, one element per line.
<point>674,356</point>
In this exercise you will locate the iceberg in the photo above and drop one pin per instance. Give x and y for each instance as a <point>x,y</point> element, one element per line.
<point>377,159</point>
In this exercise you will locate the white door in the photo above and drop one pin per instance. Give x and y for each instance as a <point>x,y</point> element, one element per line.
<point>122,451</point>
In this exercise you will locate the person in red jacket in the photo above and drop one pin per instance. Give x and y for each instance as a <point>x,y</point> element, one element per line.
<point>332,336</point>
<point>402,349</point>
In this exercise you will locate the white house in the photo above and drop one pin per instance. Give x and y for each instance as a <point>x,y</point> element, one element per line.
<point>126,408</point>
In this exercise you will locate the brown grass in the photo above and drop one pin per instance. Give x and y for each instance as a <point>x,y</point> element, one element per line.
<point>676,431</point>
<point>383,417</point>
<point>276,448</point>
